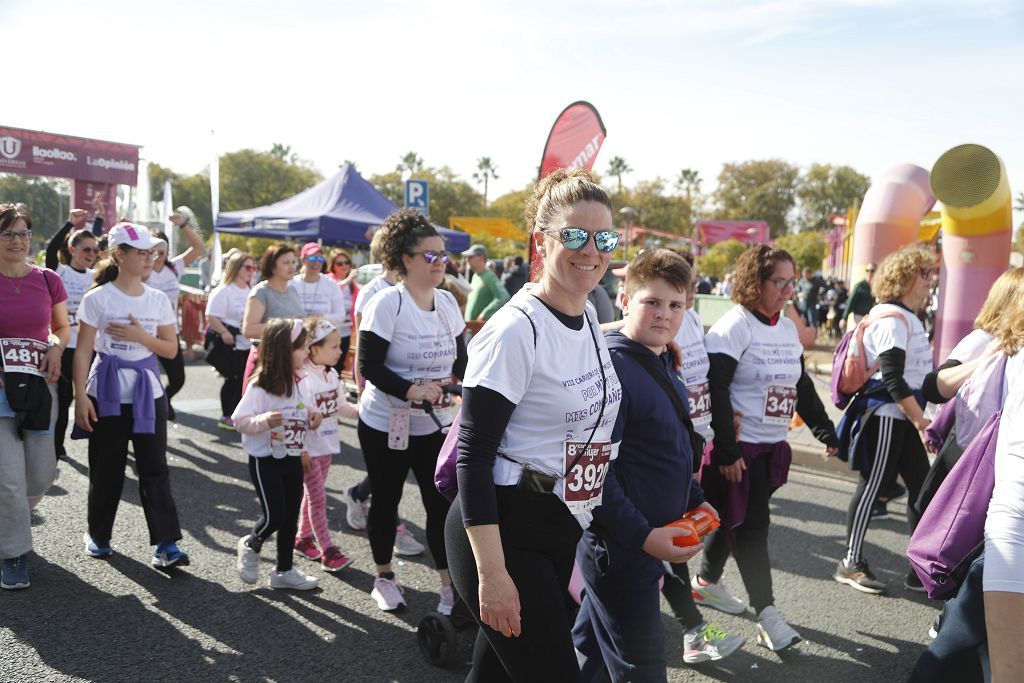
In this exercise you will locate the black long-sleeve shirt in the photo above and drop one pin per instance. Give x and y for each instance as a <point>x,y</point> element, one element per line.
<point>58,243</point>
<point>373,350</point>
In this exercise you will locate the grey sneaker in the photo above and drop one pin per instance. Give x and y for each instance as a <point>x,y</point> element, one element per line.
<point>355,510</point>
<point>715,595</point>
<point>860,577</point>
<point>248,561</point>
<point>405,543</point>
<point>707,643</point>
<point>773,632</point>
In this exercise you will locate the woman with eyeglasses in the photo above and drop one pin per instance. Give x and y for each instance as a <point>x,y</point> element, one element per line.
<point>166,277</point>
<point>342,272</point>
<point>410,345</point>
<point>890,407</point>
<point>71,255</point>
<point>272,297</point>
<point>33,333</point>
<point>539,405</point>
<point>224,311</point>
<point>755,369</point>
<point>128,325</point>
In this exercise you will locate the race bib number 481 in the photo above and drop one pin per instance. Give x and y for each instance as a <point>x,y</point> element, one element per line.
<point>23,355</point>
<point>779,405</point>
<point>584,475</point>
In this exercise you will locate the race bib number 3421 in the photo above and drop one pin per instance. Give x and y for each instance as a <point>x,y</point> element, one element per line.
<point>23,355</point>
<point>584,475</point>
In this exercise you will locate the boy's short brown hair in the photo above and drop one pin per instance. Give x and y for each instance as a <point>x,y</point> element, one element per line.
<point>654,264</point>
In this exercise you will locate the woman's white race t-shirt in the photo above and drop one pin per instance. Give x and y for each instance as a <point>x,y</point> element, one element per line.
<point>77,284</point>
<point>421,349</point>
<point>227,302</point>
<point>891,333</point>
<point>367,291</point>
<point>768,367</point>
<point>557,387</point>
<point>291,436</point>
<point>168,281</point>
<point>322,298</point>
<point>347,300</point>
<point>970,347</point>
<point>108,304</point>
<point>694,373</point>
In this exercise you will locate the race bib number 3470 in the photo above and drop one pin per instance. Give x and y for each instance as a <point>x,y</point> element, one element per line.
<point>584,475</point>
<point>23,355</point>
<point>779,405</point>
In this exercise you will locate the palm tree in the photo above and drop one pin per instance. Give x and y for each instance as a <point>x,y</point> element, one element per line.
<point>689,181</point>
<point>485,171</point>
<point>618,167</point>
<point>410,162</point>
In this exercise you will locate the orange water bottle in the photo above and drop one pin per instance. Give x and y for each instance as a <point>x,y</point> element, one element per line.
<point>699,523</point>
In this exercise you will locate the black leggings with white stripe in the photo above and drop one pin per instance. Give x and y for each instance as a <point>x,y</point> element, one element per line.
<point>891,446</point>
<point>278,483</point>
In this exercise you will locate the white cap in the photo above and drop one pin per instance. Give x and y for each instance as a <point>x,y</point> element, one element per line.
<point>130,235</point>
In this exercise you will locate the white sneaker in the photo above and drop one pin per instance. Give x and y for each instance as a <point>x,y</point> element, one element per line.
<point>405,543</point>
<point>447,601</point>
<point>707,643</point>
<point>773,632</point>
<point>387,593</point>
<point>355,513</point>
<point>715,595</point>
<point>293,579</point>
<point>248,561</point>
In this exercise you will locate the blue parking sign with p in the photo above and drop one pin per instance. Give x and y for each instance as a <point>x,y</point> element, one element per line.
<point>417,195</point>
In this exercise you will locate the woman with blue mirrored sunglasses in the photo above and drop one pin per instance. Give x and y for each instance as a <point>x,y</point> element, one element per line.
<point>577,238</point>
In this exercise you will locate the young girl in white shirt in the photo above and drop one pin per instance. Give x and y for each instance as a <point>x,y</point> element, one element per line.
<point>274,417</point>
<point>324,387</point>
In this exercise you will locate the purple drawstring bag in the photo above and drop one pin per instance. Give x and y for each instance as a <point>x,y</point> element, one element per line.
<point>444,471</point>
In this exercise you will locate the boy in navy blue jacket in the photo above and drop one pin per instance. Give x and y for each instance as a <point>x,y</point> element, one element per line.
<point>622,555</point>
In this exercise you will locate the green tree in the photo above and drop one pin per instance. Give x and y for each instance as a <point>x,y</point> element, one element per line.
<point>806,248</point>
<point>410,162</point>
<point>485,170</point>
<point>249,178</point>
<point>618,167</point>
<point>827,189</point>
<point>47,200</point>
<point>449,195</point>
<point>655,207</point>
<point>720,258</point>
<point>758,190</point>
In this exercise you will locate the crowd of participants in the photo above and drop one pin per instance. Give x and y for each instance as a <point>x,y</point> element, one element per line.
<point>578,443</point>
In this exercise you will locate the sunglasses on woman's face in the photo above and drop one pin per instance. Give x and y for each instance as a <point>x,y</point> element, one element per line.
<point>577,238</point>
<point>88,250</point>
<point>342,263</point>
<point>248,267</point>
<point>431,256</point>
<point>316,259</point>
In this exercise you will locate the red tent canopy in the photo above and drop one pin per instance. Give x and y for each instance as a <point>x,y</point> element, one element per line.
<point>748,232</point>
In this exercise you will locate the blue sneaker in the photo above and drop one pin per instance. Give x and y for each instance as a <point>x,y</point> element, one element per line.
<point>168,555</point>
<point>94,548</point>
<point>14,574</point>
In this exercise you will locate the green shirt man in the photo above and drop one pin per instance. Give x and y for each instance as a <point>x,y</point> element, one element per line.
<point>488,294</point>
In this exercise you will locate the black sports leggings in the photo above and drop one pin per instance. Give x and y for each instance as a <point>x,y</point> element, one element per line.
<point>65,394</point>
<point>387,470</point>
<point>231,391</point>
<point>175,369</point>
<point>108,456</point>
<point>750,545</point>
<point>539,537</point>
<point>278,483</point>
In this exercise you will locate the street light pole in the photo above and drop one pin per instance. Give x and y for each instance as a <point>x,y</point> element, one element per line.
<point>628,214</point>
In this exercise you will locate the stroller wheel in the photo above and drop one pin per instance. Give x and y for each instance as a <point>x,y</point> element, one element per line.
<point>436,638</point>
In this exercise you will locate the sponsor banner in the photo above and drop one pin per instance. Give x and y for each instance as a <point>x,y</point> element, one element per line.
<point>90,196</point>
<point>35,153</point>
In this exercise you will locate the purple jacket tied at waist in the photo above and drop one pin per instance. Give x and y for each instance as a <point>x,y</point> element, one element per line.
<point>730,499</point>
<point>108,390</point>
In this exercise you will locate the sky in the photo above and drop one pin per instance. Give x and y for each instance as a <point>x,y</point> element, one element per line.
<point>679,83</point>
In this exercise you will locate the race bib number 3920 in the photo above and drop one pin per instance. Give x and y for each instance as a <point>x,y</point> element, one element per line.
<point>584,474</point>
<point>23,355</point>
<point>779,405</point>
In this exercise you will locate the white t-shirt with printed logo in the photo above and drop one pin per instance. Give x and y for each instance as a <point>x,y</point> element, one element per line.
<point>107,304</point>
<point>227,302</point>
<point>322,298</point>
<point>367,291</point>
<point>768,368</point>
<point>694,373</point>
<point>325,396</point>
<point>168,281</point>
<point>77,284</point>
<point>891,333</point>
<point>421,348</point>
<point>556,386</point>
<point>256,401</point>
<point>968,348</point>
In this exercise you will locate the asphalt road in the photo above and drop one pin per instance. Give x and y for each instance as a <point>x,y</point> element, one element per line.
<point>121,620</point>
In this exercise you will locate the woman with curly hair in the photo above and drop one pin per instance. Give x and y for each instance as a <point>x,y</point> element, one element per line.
<point>756,370</point>
<point>410,345</point>
<point>891,437</point>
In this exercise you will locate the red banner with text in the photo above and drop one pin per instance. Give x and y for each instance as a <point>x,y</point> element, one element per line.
<point>33,152</point>
<point>95,198</point>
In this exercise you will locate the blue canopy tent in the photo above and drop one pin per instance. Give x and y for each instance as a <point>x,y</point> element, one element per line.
<point>341,210</point>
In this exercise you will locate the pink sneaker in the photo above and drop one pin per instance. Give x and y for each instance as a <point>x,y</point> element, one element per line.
<point>334,560</point>
<point>307,549</point>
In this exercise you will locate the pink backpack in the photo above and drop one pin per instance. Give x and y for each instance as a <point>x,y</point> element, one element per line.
<point>850,371</point>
